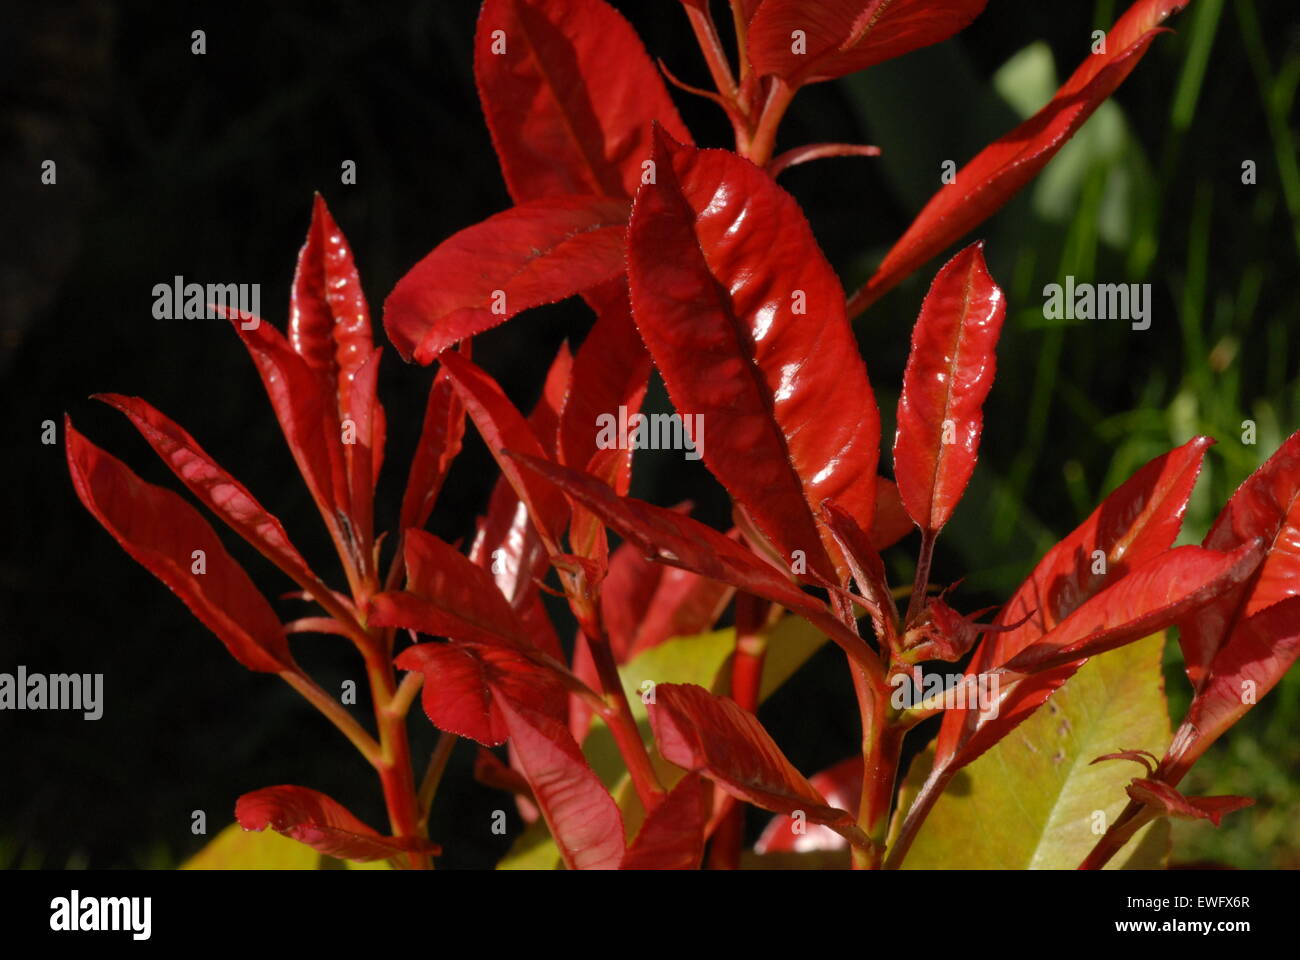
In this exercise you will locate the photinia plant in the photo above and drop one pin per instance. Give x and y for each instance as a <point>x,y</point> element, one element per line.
<point>637,745</point>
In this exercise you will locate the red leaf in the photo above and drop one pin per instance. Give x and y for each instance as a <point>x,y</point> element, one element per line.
<point>584,820</point>
<point>868,571</point>
<point>844,36</point>
<point>503,428</point>
<point>949,373</point>
<point>713,736</point>
<point>1267,505</point>
<point>448,596</point>
<point>1260,651</point>
<point>571,98</point>
<point>307,417</point>
<point>841,785</point>
<point>1137,522</point>
<point>162,532</point>
<point>441,435</point>
<point>329,321</point>
<point>461,685</point>
<point>671,538</point>
<point>723,267</point>
<point>536,253</point>
<point>320,822</point>
<point>1151,598</point>
<point>1002,168</point>
<point>672,837</point>
<point>891,522</point>
<point>1171,803</point>
<point>217,489</point>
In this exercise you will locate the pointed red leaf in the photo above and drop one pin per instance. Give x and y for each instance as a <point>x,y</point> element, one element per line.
<point>1171,803</point>
<point>1260,651</point>
<point>672,837</point>
<point>1137,522</point>
<point>569,95</point>
<point>461,685</point>
<point>163,533</point>
<point>307,416</point>
<point>844,36</point>
<point>584,819</point>
<point>841,785</point>
<point>671,538</point>
<point>322,823</point>
<point>745,320</point>
<point>448,596</point>
<point>868,571</point>
<point>998,171</point>
<point>711,735</point>
<point>536,253</point>
<point>218,490</point>
<point>1267,505</point>
<point>949,373</point>
<point>441,435</point>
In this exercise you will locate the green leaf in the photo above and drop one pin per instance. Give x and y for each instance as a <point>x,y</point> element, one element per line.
<point>1030,802</point>
<point>235,848</point>
<point>533,850</point>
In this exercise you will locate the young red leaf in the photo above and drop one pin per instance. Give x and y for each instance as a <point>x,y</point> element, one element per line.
<point>949,373</point>
<point>891,522</point>
<point>536,253</point>
<point>569,95</point>
<point>1169,802</point>
<point>441,435</point>
<point>711,735</point>
<point>868,571</point>
<point>448,596</point>
<point>218,490</point>
<point>1261,649</point>
<point>322,823</point>
<point>841,785</point>
<point>1267,505</point>
<point>169,538</point>
<point>836,37</point>
<point>584,819</point>
<point>461,685</point>
<point>672,837</point>
<point>671,538</point>
<point>744,318</point>
<point>1002,168</point>
<point>503,428</point>
<point>307,417</point>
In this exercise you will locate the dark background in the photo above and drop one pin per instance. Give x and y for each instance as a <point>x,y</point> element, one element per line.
<point>204,166</point>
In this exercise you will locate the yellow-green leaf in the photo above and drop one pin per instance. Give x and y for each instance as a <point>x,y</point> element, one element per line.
<point>235,848</point>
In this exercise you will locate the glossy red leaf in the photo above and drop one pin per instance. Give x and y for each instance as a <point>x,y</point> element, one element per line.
<point>462,685</point>
<point>1169,802</point>
<point>891,522</point>
<point>949,373</point>
<point>218,490</point>
<point>322,823</point>
<point>536,253</point>
<point>669,537</point>
<point>1152,597</point>
<point>844,36</point>
<point>672,836</point>
<point>162,533</point>
<point>997,172</point>
<point>745,320</point>
<point>841,785</point>
<point>1260,651</point>
<point>713,736</point>
<point>1267,505</point>
<point>584,819</point>
<point>449,596</point>
<point>569,94</point>
<point>503,428</point>
<point>307,416</point>
<point>441,435</point>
